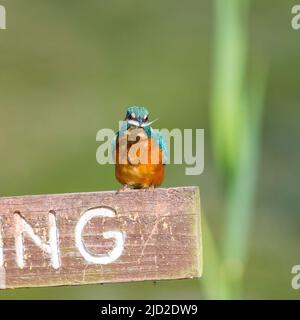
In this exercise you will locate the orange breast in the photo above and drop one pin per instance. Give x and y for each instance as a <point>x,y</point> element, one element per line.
<point>139,165</point>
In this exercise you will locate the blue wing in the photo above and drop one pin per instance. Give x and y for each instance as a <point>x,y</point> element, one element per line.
<point>113,144</point>
<point>160,140</point>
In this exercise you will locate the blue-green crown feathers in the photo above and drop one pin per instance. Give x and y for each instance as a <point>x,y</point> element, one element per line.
<point>139,112</point>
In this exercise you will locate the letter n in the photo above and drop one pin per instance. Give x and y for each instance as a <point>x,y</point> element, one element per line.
<point>51,248</point>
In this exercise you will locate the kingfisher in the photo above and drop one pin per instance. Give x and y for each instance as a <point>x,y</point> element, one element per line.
<point>140,152</point>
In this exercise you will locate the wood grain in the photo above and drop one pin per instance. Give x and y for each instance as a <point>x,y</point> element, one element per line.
<point>161,227</point>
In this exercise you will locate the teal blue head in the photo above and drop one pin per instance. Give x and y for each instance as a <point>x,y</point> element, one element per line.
<point>137,117</point>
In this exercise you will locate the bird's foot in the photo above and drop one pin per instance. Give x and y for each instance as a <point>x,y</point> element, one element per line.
<point>123,189</point>
<point>150,188</point>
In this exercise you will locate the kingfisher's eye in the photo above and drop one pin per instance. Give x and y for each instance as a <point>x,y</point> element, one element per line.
<point>145,118</point>
<point>132,115</point>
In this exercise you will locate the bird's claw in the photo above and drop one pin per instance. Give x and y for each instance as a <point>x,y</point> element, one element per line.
<point>123,189</point>
<point>150,188</point>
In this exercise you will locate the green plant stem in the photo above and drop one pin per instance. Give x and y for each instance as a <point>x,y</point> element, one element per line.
<point>237,105</point>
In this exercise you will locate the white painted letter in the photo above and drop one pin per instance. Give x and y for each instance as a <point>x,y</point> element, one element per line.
<point>21,227</point>
<point>119,237</point>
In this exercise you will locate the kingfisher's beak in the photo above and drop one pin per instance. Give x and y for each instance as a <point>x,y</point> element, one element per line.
<point>139,124</point>
<point>134,123</point>
<point>143,125</point>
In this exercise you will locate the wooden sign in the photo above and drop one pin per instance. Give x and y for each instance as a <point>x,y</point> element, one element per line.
<point>100,237</point>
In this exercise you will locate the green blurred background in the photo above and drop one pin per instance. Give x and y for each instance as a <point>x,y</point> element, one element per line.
<point>70,68</point>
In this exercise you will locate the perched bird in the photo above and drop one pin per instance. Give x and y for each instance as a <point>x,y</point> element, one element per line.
<point>140,151</point>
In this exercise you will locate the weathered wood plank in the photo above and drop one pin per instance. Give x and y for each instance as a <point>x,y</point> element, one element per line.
<point>100,237</point>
